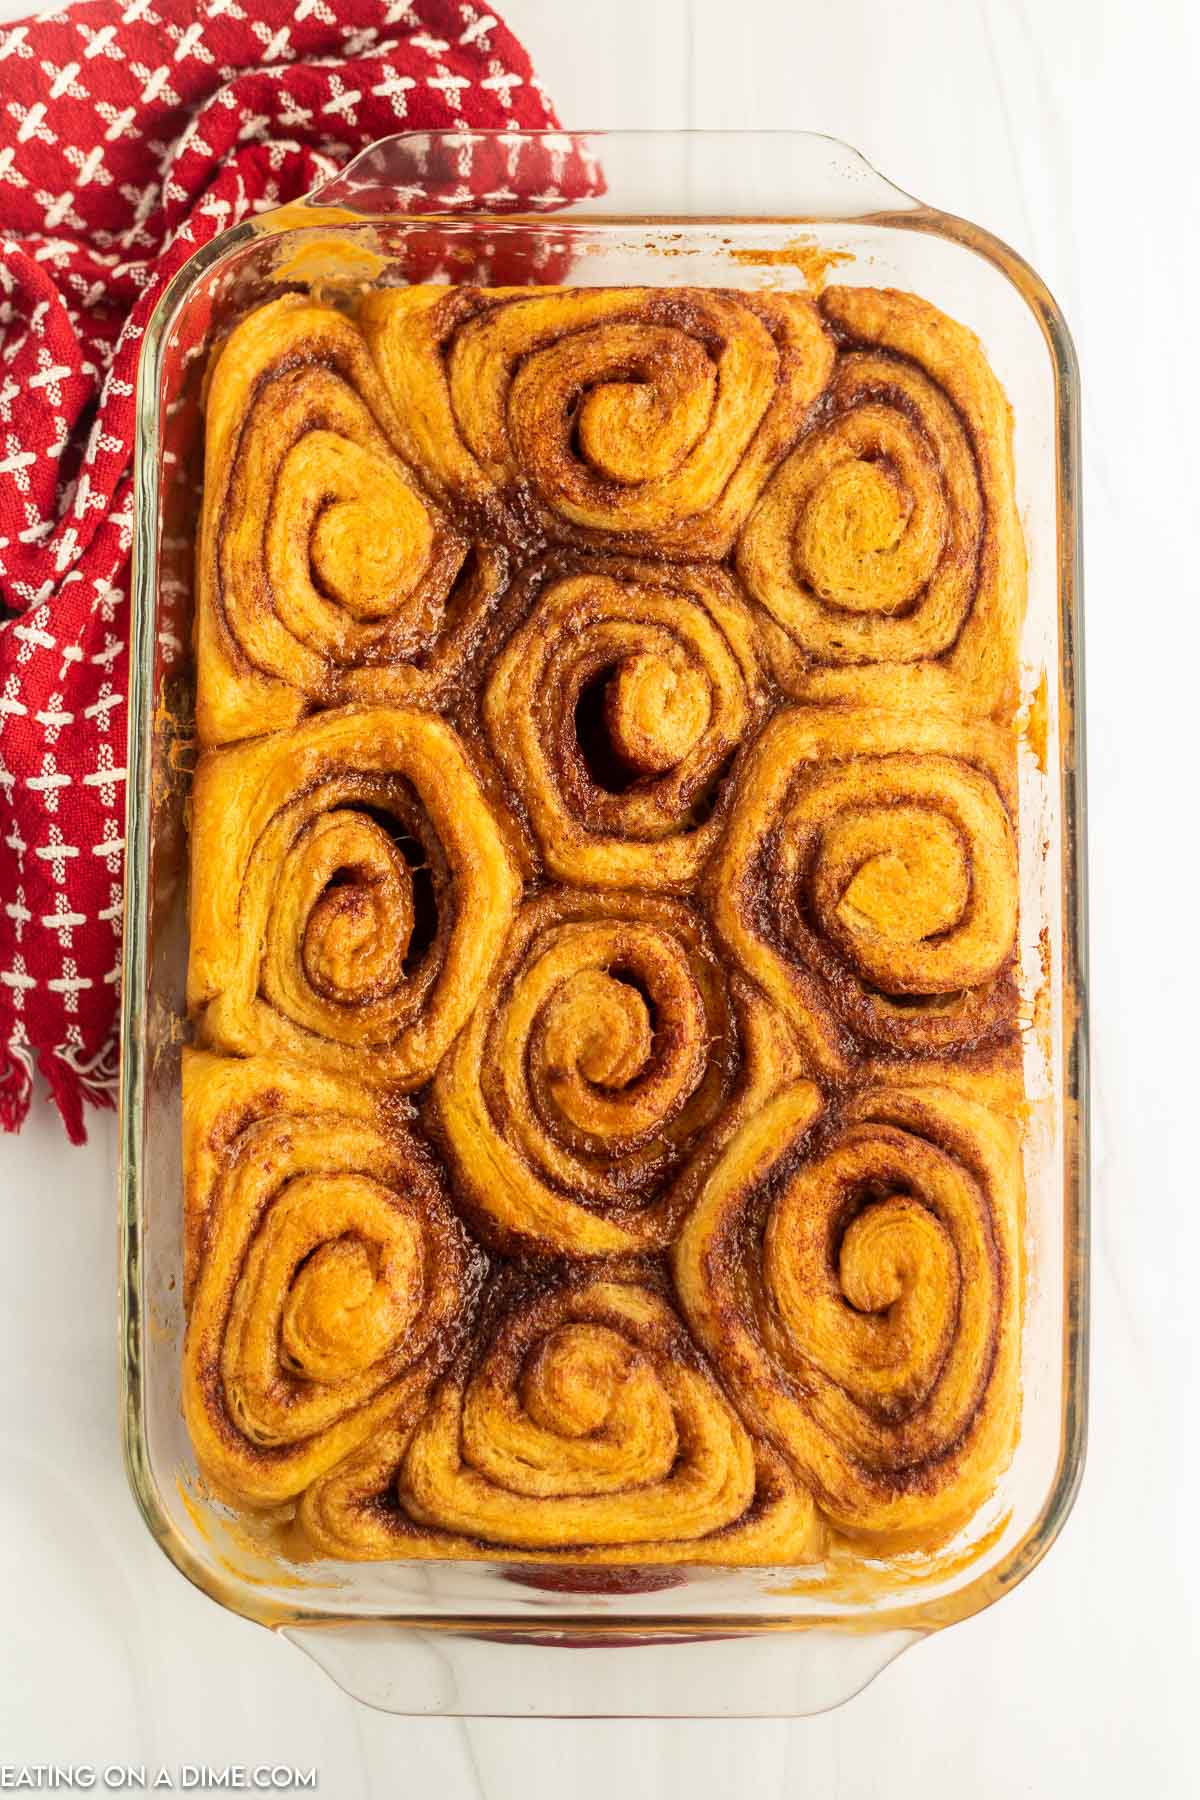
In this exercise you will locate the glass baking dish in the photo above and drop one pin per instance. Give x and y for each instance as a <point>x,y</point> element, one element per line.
<point>717,209</point>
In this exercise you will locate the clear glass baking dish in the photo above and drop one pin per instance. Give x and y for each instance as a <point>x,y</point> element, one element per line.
<point>723,209</point>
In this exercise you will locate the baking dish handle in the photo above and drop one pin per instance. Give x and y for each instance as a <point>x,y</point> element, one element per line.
<point>627,174</point>
<point>664,1674</point>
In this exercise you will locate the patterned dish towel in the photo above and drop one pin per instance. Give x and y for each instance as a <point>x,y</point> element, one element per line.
<point>129,135</point>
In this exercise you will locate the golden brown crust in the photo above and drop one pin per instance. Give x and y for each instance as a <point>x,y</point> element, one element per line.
<point>593,1086</point>
<point>304,904</point>
<point>325,572</point>
<point>614,710</point>
<point>604,848</point>
<point>856,1279</point>
<point>222,1096</point>
<point>334,1279</point>
<point>637,419</point>
<point>886,552</point>
<point>868,881</point>
<point>584,1427</point>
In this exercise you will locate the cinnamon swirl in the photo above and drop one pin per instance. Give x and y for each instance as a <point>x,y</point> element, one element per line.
<point>351,891</point>
<point>868,881</point>
<point>591,1088</point>
<point>856,1279</point>
<point>584,1425</point>
<point>642,419</point>
<point>330,1276</point>
<point>614,711</point>
<point>886,552</point>
<point>326,572</point>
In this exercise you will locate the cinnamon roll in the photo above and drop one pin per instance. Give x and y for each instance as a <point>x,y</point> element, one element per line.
<point>594,1084</point>
<point>869,881</point>
<point>886,552</point>
<point>614,711</point>
<point>855,1277</point>
<point>582,1425</point>
<point>643,419</point>
<point>331,1281</point>
<point>352,888</point>
<point>326,574</point>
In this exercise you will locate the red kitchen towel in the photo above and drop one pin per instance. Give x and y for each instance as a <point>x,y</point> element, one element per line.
<point>130,134</point>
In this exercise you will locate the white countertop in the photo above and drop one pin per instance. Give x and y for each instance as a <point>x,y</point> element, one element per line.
<point>1067,127</point>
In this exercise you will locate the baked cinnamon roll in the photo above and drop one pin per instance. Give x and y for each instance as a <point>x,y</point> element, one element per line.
<point>614,711</point>
<point>326,573</point>
<point>869,881</point>
<point>352,888</point>
<point>330,1279</point>
<point>583,1425</point>
<point>594,1084</point>
<point>643,419</point>
<point>854,1272</point>
<point>886,552</point>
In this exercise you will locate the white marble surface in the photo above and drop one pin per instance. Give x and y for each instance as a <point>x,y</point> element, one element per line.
<point>1067,126</point>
